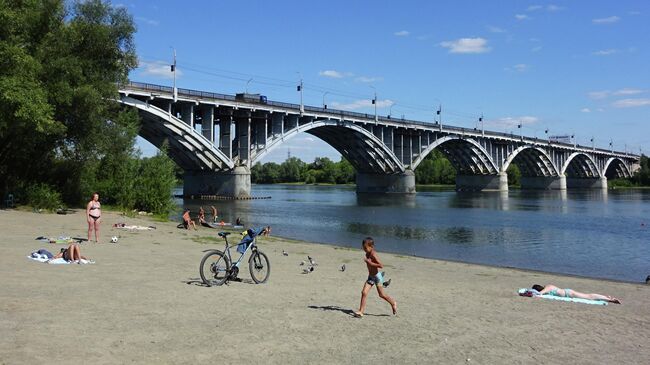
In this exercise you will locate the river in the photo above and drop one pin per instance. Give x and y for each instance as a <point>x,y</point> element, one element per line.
<point>592,233</point>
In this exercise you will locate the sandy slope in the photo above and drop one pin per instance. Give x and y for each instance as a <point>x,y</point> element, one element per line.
<point>142,302</point>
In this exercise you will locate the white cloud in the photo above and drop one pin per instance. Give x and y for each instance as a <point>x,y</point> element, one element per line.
<point>402,33</point>
<point>608,20</point>
<point>597,95</point>
<point>605,52</point>
<point>634,12</point>
<point>494,29</point>
<point>628,91</point>
<point>585,110</point>
<point>631,103</point>
<point>367,79</point>
<point>423,37</point>
<point>358,104</point>
<point>159,69</point>
<point>467,45</point>
<point>553,7</point>
<point>512,122</point>
<point>536,49</point>
<point>534,7</point>
<point>331,73</point>
<point>520,67</point>
<point>521,17</point>
<point>147,20</point>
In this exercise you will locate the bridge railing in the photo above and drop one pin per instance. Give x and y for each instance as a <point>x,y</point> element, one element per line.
<point>369,117</point>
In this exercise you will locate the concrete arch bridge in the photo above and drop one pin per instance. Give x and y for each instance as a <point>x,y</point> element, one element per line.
<point>216,138</point>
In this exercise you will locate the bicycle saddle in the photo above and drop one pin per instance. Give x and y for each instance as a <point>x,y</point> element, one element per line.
<point>224,234</point>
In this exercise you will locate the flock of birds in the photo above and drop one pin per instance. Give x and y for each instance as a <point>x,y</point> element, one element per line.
<point>311,266</point>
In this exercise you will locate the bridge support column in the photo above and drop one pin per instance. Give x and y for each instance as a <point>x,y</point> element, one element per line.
<point>235,183</point>
<point>380,183</point>
<point>587,183</point>
<point>498,182</point>
<point>543,182</point>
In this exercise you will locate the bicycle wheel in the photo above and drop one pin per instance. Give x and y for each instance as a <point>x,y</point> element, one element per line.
<point>260,267</point>
<point>214,268</point>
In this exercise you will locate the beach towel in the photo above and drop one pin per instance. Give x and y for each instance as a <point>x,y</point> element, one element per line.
<point>59,261</point>
<point>526,292</point>
<point>133,228</point>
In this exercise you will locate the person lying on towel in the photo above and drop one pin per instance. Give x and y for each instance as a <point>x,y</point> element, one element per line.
<point>570,293</point>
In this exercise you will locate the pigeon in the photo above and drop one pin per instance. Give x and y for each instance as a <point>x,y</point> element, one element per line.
<point>386,283</point>
<point>307,271</point>
<point>302,263</point>
<point>285,253</point>
<point>343,267</point>
<point>312,262</point>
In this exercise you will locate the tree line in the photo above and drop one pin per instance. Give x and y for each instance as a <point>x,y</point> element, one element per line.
<point>61,135</point>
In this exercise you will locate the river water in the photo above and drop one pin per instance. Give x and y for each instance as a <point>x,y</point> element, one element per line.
<point>592,233</point>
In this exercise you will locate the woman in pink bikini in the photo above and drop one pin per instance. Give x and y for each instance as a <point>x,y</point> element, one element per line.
<point>93,216</point>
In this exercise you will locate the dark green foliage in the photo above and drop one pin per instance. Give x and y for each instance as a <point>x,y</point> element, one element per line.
<point>154,184</point>
<point>41,196</point>
<point>514,175</point>
<point>435,169</point>
<point>60,64</point>
<point>321,171</point>
<point>642,176</point>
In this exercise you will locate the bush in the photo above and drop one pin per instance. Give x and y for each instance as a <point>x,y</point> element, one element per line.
<point>41,196</point>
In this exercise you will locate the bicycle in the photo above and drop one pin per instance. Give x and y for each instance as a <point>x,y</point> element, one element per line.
<point>216,266</point>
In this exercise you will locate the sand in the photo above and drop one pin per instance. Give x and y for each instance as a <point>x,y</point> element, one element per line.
<point>143,302</point>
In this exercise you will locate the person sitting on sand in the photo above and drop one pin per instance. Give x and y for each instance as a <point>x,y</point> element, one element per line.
<point>187,220</point>
<point>202,215</point>
<point>374,277</point>
<point>72,253</point>
<point>264,231</point>
<point>214,214</point>
<point>570,293</point>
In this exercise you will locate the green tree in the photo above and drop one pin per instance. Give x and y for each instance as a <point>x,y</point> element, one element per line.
<point>435,169</point>
<point>346,173</point>
<point>154,183</point>
<point>514,175</point>
<point>642,176</point>
<point>292,170</point>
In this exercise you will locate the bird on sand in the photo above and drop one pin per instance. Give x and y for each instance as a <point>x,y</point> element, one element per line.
<point>343,267</point>
<point>302,263</point>
<point>308,270</point>
<point>312,262</point>
<point>285,253</point>
<point>386,283</point>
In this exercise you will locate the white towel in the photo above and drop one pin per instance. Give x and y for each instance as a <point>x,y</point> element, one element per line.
<point>59,261</point>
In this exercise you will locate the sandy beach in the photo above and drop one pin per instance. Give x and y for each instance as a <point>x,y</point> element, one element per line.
<point>143,302</point>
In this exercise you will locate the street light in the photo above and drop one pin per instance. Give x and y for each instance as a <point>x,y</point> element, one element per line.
<point>374,102</point>
<point>325,105</point>
<point>390,110</point>
<point>299,89</point>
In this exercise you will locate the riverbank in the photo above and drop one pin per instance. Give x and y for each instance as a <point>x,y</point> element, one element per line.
<point>142,301</point>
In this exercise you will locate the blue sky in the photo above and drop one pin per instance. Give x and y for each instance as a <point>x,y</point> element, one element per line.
<point>570,66</point>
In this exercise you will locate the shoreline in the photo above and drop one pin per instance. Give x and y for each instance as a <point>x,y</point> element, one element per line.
<point>143,301</point>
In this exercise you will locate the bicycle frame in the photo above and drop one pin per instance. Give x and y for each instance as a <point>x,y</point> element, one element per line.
<point>251,246</point>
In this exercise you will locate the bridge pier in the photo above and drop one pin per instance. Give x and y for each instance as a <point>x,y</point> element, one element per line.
<point>378,183</point>
<point>498,182</point>
<point>587,183</point>
<point>544,182</point>
<point>235,183</point>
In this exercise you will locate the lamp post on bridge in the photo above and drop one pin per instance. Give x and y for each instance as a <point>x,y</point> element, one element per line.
<point>325,105</point>
<point>390,110</point>
<point>611,146</point>
<point>521,131</point>
<point>374,102</point>
<point>480,119</point>
<point>299,89</point>
<point>248,82</point>
<point>593,148</point>
<point>173,68</point>
<point>439,114</point>
<point>575,142</point>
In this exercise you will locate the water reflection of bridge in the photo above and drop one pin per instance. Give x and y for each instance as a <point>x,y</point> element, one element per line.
<point>216,139</point>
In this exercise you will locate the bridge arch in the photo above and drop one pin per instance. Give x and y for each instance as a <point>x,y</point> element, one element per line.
<point>187,148</point>
<point>580,165</point>
<point>466,155</point>
<point>616,168</point>
<point>360,147</point>
<point>532,161</point>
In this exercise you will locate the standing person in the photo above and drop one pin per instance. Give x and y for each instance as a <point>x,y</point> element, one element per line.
<point>93,216</point>
<point>214,214</point>
<point>374,277</point>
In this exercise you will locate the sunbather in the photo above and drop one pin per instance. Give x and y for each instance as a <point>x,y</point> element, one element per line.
<point>72,253</point>
<point>570,293</point>
<point>187,220</point>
